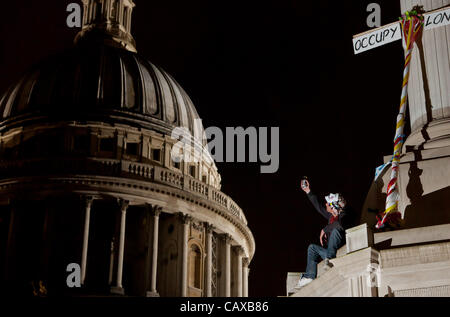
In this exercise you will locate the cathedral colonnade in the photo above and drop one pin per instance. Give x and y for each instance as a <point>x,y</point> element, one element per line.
<point>138,249</point>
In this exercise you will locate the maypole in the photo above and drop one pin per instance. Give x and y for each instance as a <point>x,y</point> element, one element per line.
<point>411,24</point>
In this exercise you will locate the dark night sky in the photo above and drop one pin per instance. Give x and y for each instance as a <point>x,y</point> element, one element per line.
<point>280,63</point>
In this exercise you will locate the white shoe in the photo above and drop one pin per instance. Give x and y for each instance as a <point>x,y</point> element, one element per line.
<point>327,265</point>
<point>302,282</point>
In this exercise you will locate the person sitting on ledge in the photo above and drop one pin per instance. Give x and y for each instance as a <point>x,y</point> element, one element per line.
<point>332,237</point>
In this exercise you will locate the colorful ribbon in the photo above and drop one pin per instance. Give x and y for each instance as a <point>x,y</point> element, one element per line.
<point>380,169</point>
<point>412,23</point>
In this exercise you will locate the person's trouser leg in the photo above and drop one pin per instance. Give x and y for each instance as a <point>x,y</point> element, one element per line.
<point>335,242</point>
<point>315,254</point>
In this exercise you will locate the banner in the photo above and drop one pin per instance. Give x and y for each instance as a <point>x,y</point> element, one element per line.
<point>381,36</point>
<point>392,32</point>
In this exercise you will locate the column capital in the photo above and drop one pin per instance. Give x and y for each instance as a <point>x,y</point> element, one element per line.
<point>87,199</point>
<point>113,244</point>
<point>226,238</point>
<point>155,210</point>
<point>245,262</point>
<point>238,250</point>
<point>209,227</point>
<point>185,219</point>
<point>123,204</point>
<point>84,253</point>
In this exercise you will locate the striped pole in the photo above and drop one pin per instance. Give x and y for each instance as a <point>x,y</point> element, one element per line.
<point>411,24</point>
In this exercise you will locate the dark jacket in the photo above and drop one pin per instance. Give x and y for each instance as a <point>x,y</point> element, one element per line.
<point>344,220</point>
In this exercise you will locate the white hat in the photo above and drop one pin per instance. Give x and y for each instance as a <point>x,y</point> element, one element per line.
<point>332,198</point>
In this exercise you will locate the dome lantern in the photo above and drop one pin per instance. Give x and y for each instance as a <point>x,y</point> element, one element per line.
<point>108,21</point>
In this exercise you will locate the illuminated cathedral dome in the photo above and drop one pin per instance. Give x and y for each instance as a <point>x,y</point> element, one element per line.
<point>88,177</point>
<point>99,81</point>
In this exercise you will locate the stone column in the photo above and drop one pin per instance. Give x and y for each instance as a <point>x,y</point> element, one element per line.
<point>10,244</point>
<point>111,260</point>
<point>118,289</point>
<point>227,265</point>
<point>155,211</point>
<point>428,93</point>
<point>121,10</point>
<point>128,26</point>
<point>87,218</point>
<point>245,272</point>
<point>46,243</point>
<point>185,219</point>
<point>208,270</point>
<point>239,252</point>
<point>424,172</point>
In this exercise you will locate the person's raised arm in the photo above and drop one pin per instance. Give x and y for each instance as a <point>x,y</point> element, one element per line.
<point>313,199</point>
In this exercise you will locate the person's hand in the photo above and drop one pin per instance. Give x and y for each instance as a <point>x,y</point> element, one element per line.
<point>305,186</point>
<point>322,233</point>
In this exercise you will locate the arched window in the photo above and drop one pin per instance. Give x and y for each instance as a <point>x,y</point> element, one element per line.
<point>195,267</point>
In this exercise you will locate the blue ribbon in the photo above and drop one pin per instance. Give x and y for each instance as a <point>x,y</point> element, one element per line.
<point>381,168</point>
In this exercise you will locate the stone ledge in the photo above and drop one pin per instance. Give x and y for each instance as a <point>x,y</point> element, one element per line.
<point>359,237</point>
<point>436,291</point>
<point>402,237</point>
<point>120,169</point>
<point>335,282</point>
<point>340,253</point>
<point>291,281</point>
<point>422,254</point>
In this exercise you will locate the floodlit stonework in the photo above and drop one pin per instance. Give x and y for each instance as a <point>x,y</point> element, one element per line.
<point>87,177</point>
<point>415,259</point>
<point>408,262</point>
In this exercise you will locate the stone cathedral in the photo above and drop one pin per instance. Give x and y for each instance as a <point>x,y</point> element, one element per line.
<point>87,177</point>
<point>414,259</point>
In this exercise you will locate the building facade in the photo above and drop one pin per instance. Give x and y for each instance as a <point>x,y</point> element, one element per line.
<point>91,174</point>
